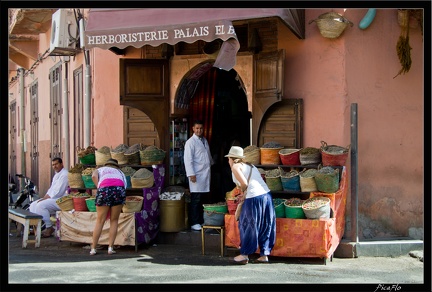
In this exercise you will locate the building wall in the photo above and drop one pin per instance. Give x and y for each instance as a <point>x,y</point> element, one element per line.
<point>329,75</point>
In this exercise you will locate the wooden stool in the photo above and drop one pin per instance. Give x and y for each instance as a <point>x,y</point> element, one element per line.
<point>220,230</point>
<point>27,218</point>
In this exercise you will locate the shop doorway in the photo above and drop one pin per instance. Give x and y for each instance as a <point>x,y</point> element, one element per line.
<point>220,100</point>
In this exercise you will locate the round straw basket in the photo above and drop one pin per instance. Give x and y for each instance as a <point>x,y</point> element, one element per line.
<point>290,156</point>
<point>102,157</point>
<point>142,182</point>
<point>65,203</point>
<point>327,179</point>
<point>88,182</point>
<point>80,203</point>
<point>307,180</point>
<point>270,155</point>
<point>252,156</point>
<point>90,202</point>
<point>132,204</point>
<point>310,155</point>
<point>152,155</point>
<point>316,208</point>
<point>133,158</point>
<point>120,157</point>
<point>279,207</point>
<point>274,183</point>
<point>89,159</point>
<point>75,180</point>
<point>331,24</point>
<point>332,155</point>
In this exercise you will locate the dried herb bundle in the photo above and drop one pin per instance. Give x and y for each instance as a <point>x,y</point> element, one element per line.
<point>402,47</point>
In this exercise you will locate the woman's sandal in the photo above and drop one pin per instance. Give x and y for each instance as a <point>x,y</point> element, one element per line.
<point>261,260</point>
<point>241,259</point>
<point>92,251</point>
<point>111,250</point>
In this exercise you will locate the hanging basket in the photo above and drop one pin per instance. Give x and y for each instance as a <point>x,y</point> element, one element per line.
<point>331,24</point>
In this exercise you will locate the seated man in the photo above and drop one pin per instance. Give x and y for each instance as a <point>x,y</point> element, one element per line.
<point>47,205</point>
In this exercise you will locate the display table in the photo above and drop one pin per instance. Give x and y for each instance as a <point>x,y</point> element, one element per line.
<point>303,237</point>
<point>133,228</point>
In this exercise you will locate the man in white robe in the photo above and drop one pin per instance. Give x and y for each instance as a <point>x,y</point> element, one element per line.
<point>198,162</point>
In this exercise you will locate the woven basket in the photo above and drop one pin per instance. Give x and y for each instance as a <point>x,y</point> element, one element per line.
<point>88,182</point>
<point>89,159</point>
<point>331,24</point>
<point>213,218</point>
<point>120,157</point>
<point>270,156</point>
<point>310,155</point>
<point>152,155</point>
<point>142,182</point>
<point>333,155</point>
<point>253,156</point>
<point>101,157</point>
<point>133,158</point>
<point>290,156</point>
<point>291,183</point>
<point>65,203</point>
<point>279,207</point>
<point>327,179</point>
<point>90,202</point>
<point>75,180</point>
<point>322,210</point>
<point>80,203</point>
<point>274,183</point>
<point>220,207</point>
<point>307,183</point>
<point>133,204</point>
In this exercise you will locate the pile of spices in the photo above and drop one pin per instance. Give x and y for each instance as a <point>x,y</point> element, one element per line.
<point>314,203</point>
<point>294,202</point>
<point>272,144</point>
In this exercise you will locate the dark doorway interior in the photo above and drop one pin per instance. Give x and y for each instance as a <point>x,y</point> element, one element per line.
<point>231,126</point>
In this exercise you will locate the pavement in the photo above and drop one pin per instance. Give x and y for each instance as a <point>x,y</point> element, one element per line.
<point>164,266</point>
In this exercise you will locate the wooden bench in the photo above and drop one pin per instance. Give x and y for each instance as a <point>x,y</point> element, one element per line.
<point>27,219</point>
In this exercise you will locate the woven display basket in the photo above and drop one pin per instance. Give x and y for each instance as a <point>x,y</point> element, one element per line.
<point>310,155</point>
<point>316,208</point>
<point>120,157</point>
<point>252,156</point>
<point>65,203</point>
<point>89,159</point>
<point>291,183</point>
<point>293,208</point>
<point>290,156</point>
<point>133,158</point>
<point>327,179</point>
<point>333,155</point>
<point>279,207</point>
<point>331,24</point>
<point>80,203</point>
<point>307,180</point>
<point>102,155</point>
<point>220,207</point>
<point>274,183</point>
<point>142,178</point>
<point>152,155</point>
<point>270,155</point>
<point>75,180</point>
<point>88,182</point>
<point>90,202</point>
<point>213,218</point>
<point>133,204</point>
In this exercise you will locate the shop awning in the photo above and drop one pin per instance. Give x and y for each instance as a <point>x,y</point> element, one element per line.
<point>120,28</point>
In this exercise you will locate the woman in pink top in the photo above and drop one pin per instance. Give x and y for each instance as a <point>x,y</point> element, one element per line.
<point>110,197</point>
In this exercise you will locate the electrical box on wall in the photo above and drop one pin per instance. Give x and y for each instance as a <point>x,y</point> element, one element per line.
<point>64,33</point>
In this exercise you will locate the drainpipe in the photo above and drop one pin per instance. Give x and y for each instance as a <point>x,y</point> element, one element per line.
<point>66,161</point>
<point>354,174</point>
<point>22,128</point>
<point>87,101</point>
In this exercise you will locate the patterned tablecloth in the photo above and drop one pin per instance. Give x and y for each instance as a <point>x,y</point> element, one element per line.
<point>303,237</point>
<point>133,228</point>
